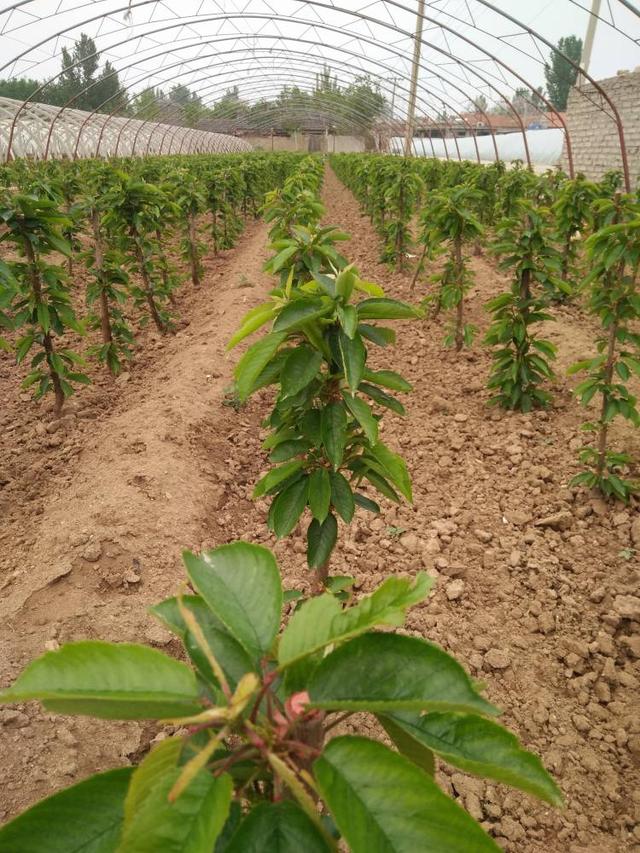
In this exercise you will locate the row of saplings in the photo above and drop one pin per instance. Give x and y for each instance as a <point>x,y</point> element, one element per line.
<point>270,674</point>
<point>115,221</point>
<point>557,239</point>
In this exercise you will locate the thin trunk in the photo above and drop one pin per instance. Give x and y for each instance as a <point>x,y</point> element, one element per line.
<point>214,229</point>
<point>192,237</point>
<point>146,284</point>
<point>419,267</point>
<point>47,339</point>
<point>565,259</point>
<point>105,319</point>
<point>400,235</point>
<point>608,376</point>
<point>457,248</point>
<point>322,576</point>
<point>164,267</point>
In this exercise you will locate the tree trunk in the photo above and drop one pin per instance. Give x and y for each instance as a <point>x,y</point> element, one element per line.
<point>105,319</point>
<point>193,252</point>
<point>608,376</point>
<point>147,286</point>
<point>47,339</point>
<point>457,249</point>
<point>419,268</point>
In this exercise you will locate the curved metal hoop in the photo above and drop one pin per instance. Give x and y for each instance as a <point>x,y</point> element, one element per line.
<point>446,23</point>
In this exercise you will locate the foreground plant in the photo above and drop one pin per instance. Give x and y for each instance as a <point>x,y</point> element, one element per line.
<point>520,358</point>
<point>254,769</point>
<point>324,439</point>
<point>613,254</point>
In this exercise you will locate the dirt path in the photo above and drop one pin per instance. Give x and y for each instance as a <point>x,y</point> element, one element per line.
<point>533,610</point>
<point>103,540</point>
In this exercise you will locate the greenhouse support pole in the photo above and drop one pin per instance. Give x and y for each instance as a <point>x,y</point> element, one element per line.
<point>415,70</point>
<point>590,37</point>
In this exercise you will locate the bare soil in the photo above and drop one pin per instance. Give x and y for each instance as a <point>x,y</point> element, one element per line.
<point>536,584</point>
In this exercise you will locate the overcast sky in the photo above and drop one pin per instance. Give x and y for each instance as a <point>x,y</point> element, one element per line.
<point>212,44</point>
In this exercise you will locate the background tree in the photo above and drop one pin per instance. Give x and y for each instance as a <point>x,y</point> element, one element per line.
<point>559,74</point>
<point>479,104</point>
<point>79,73</point>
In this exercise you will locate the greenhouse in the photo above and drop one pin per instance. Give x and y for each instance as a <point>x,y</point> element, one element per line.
<point>319,426</point>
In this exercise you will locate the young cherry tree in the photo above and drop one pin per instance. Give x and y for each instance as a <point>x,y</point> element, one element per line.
<point>192,203</point>
<point>135,211</point>
<point>247,763</point>
<point>520,358</point>
<point>108,288</point>
<point>613,254</point>
<point>450,219</point>
<point>40,302</point>
<point>573,212</point>
<point>402,190</point>
<point>324,434</point>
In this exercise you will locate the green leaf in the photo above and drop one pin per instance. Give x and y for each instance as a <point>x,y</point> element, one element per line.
<point>281,258</point>
<point>395,468</point>
<point>299,369</point>
<point>252,363</point>
<point>162,759</point>
<point>287,449</point>
<point>365,503</point>
<point>289,506</point>
<point>60,245</point>
<point>277,476</point>
<point>382,398</point>
<point>112,681</point>
<point>60,824</point>
<point>319,493</point>
<point>389,672</point>
<point>363,414</point>
<point>321,540</point>
<point>241,584</point>
<point>382,308</point>
<point>252,322</point>
<point>382,802</point>
<point>388,379</point>
<point>190,824</point>
<point>382,485</point>
<point>299,311</point>
<point>414,750</point>
<point>481,747</point>
<point>317,623</point>
<point>231,656</point>
<point>278,828</point>
<point>354,356</point>
<point>342,497</point>
<point>43,316</point>
<point>378,335</point>
<point>334,432</point>
<point>23,347</point>
<point>369,287</point>
<point>348,317</point>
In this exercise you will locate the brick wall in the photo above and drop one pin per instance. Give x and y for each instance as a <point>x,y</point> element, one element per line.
<point>300,142</point>
<point>594,136</point>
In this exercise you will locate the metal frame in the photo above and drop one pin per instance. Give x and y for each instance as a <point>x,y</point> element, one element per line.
<point>440,19</point>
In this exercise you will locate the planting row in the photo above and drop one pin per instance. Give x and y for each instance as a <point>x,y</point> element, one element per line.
<point>254,763</point>
<point>116,224</point>
<point>559,240</point>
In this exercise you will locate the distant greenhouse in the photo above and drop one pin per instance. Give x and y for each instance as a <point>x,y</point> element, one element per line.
<point>39,131</point>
